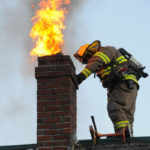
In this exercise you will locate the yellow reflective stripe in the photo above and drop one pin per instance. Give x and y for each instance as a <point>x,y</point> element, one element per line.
<point>124,60</point>
<point>103,56</point>
<point>86,72</point>
<point>114,65</point>
<point>130,77</point>
<point>105,71</point>
<point>121,124</point>
<point>121,59</point>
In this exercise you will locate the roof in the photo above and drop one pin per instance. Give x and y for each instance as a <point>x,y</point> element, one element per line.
<point>134,143</point>
<point>19,147</point>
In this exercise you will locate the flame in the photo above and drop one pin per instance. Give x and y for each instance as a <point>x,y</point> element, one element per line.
<point>48,26</point>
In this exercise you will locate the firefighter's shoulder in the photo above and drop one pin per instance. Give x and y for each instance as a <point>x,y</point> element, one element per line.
<point>108,48</point>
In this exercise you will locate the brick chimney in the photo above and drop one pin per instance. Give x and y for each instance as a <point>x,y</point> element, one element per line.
<point>56,102</point>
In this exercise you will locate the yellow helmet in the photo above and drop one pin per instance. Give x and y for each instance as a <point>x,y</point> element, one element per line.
<point>85,52</point>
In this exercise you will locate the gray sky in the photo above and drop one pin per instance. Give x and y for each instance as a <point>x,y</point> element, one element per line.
<point>115,23</point>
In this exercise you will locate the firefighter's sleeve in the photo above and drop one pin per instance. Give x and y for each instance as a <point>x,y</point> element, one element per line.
<point>101,58</point>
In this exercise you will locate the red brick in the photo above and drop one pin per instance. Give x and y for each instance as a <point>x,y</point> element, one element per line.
<point>67,107</point>
<point>44,138</point>
<point>40,120</point>
<point>58,143</point>
<point>53,131</point>
<point>46,103</point>
<point>48,86</point>
<point>60,148</point>
<point>66,131</point>
<point>66,119</point>
<point>56,131</point>
<point>44,91</point>
<point>61,102</point>
<point>54,108</point>
<point>46,126</point>
<point>40,97</point>
<point>62,113</point>
<point>45,149</point>
<point>64,79</point>
<point>56,96</point>
<point>41,109</point>
<point>53,102</point>
<point>53,120</point>
<point>63,125</point>
<point>61,90</point>
<point>61,137</point>
<point>44,114</point>
<point>41,132</point>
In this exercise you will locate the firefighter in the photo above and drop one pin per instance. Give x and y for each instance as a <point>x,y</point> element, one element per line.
<point>122,85</point>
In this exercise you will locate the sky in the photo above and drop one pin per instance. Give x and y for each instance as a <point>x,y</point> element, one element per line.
<point>115,23</point>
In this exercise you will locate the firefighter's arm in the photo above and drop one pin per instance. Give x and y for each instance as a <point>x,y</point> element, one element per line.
<point>101,58</point>
<point>80,77</point>
<point>87,71</point>
<point>93,66</point>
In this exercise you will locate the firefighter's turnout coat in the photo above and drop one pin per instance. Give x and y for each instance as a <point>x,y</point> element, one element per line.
<point>112,69</point>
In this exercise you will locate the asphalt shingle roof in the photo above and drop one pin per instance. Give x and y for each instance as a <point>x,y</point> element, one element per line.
<point>135,143</point>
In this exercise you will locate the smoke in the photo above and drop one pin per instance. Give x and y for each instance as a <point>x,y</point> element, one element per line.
<point>72,23</point>
<point>75,27</point>
<point>17,104</point>
<point>18,85</point>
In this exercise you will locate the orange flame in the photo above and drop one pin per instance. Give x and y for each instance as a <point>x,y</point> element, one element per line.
<point>48,24</point>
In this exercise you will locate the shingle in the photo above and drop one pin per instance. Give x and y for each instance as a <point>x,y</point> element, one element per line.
<point>135,143</point>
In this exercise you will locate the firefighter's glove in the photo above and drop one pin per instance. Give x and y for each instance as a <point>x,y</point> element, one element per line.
<point>80,78</point>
